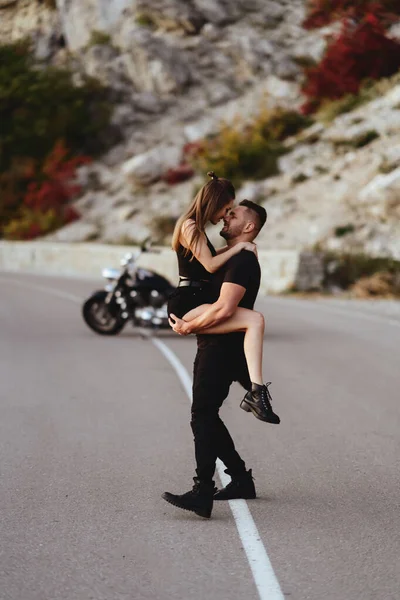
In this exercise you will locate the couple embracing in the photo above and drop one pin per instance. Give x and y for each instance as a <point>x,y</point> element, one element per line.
<point>214,300</point>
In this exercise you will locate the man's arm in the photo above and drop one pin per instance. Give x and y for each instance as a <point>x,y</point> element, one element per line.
<point>229,298</point>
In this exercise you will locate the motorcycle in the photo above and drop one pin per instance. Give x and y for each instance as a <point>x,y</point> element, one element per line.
<point>131,294</point>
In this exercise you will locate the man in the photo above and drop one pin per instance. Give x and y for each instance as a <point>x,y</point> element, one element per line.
<point>220,361</point>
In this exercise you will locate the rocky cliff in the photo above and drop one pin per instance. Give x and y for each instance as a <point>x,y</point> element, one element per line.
<point>175,70</point>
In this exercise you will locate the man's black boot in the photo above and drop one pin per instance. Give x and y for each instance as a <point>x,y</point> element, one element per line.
<point>241,486</point>
<point>258,401</point>
<point>198,500</point>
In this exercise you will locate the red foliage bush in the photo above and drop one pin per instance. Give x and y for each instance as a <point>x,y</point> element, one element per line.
<point>193,149</point>
<point>34,230</point>
<point>32,223</point>
<point>54,184</point>
<point>323,12</point>
<point>178,174</point>
<point>70,214</point>
<point>361,51</point>
<point>36,198</point>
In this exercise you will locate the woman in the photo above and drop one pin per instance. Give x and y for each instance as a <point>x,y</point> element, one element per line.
<point>197,258</point>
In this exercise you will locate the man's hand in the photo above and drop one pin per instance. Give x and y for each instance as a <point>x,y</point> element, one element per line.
<point>178,325</point>
<point>251,247</point>
<point>229,298</point>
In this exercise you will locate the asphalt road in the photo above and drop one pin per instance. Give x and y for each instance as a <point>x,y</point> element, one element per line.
<point>93,430</point>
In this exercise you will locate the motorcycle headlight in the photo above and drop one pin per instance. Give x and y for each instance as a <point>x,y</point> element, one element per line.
<point>110,274</point>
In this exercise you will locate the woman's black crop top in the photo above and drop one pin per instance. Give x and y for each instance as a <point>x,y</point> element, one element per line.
<point>193,269</point>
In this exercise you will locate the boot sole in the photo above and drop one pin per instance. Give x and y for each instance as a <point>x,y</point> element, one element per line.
<point>246,407</point>
<point>206,514</point>
<point>249,497</point>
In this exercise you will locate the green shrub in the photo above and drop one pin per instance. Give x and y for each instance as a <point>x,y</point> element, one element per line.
<point>368,137</point>
<point>47,126</point>
<point>358,141</point>
<point>343,270</point>
<point>329,110</point>
<point>370,90</point>
<point>379,285</point>
<point>299,178</point>
<point>99,38</point>
<point>32,223</point>
<point>280,124</point>
<point>249,151</point>
<point>145,20</point>
<point>39,106</point>
<point>343,230</point>
<point>387,166</point>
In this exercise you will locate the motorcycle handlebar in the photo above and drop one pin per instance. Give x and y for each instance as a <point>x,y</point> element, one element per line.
<point>146,244</point>
<point>131,259</point>
<point>146,247</point>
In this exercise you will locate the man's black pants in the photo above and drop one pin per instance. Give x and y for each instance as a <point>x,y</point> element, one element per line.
<point>219,361</point>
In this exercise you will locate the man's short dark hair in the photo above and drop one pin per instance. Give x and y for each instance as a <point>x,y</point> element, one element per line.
<point>260,212</point>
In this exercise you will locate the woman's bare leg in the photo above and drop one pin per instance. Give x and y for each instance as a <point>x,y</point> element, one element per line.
<point>249,321</point>
<point>195,312</point>
<point>258,400</point>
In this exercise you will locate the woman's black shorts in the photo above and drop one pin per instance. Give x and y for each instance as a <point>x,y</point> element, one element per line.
<point>184,299</point>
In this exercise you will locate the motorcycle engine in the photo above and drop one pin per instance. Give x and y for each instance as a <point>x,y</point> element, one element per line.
<point>156,299</point>
<point>152,317</point>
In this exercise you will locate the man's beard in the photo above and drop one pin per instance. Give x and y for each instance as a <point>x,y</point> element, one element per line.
<point>230,233</point>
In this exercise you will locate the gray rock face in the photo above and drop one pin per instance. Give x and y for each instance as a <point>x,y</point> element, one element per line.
<point>149,167</point>
<point>7,3</point>
<point>154,65</point>
<point>221,12</point>
<point>172,15</point>
<point>164,56</point>
<point>310,273</point>
<point>79,231</point>
<point>337,195</point>
<point>80,18</point>
<point>32,19</point>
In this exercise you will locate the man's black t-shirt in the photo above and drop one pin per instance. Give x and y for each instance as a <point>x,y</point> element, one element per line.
<point>242,269</point>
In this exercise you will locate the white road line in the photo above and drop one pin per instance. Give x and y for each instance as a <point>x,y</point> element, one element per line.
<point>265,579</point>
<point>176,363</point>
<point>47,290</point>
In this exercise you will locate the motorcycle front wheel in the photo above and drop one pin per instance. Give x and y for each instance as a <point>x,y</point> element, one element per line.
<point>96,314</point>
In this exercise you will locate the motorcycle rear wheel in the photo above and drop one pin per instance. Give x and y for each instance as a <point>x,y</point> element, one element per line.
<point>97,316</point>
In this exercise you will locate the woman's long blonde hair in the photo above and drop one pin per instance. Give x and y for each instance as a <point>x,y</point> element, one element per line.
<point>212,197</point>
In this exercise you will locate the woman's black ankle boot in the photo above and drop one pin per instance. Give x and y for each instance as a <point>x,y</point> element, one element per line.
<point>258,401</point>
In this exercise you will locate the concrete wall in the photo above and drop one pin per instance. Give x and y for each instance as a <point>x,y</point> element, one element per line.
<point>278,267</point>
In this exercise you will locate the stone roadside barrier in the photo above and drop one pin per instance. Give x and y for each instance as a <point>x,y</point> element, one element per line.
<point>278,267</point>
